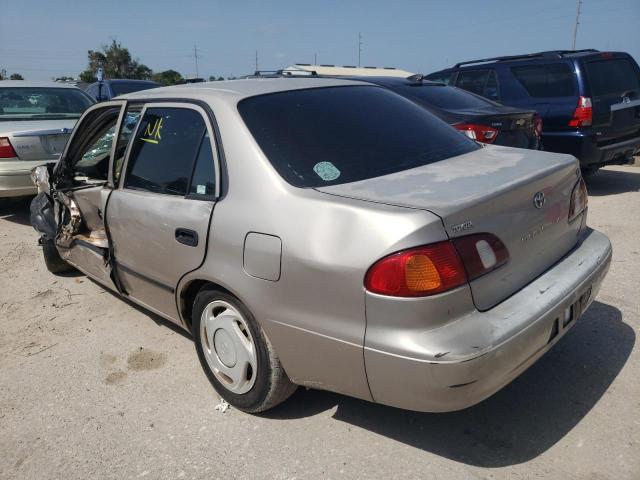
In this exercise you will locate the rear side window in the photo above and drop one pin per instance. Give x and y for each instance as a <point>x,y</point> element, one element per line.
<point>164,149</point>
<point>447,98</point>
<point>612,77</point>
<point>203,181</point>
<point>551,80</point>
<point>480,82</point>
<point>440,77</point>
<point>329,136</point>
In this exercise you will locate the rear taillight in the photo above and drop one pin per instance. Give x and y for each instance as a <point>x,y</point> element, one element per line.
<point>583,115</point>
<point>436,268</point>
<point>537,124</point>
<point>481,133</point>
<point>579,199</point>
<point>6,149</point>
<point>481,253</point>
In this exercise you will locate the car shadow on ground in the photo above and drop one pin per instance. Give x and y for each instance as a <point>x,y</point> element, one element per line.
<point>15,210</point>
<point>158,320</point>
<point>609,182</point>
<point>513,426</point>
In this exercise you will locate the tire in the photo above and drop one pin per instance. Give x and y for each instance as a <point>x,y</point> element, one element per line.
<point>235,353</point>
<point>52,259</point>
<point>589,171</point>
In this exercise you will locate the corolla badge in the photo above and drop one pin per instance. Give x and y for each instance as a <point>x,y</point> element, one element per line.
<point>539,200</point>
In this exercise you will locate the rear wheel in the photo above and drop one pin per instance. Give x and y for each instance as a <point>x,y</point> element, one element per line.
<point>52,259</point>
<point>235,353</point>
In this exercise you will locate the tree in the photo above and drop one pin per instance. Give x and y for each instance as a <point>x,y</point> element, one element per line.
<point>16,76</point>
<point>116,62</point>
<point>168,77</point>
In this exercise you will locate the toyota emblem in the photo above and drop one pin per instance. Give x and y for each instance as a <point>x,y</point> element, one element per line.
<point>538,200</point>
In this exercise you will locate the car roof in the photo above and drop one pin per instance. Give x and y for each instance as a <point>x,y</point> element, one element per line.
<point>239,89</point>
<point>393,81</point>
<point>128,80</point>
<point>28,84</point>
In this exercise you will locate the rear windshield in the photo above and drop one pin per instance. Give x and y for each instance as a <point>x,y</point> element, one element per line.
<point>121,88</point>
<point>551,80</point>
<point>613,76</point>
<point>447,98</point>
<point>329,136</point>
<point>42,102</point>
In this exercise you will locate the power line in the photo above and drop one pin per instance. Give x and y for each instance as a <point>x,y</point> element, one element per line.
<point>575,27</point>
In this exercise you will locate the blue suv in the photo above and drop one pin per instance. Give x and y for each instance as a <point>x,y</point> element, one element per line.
<point>589,100</point>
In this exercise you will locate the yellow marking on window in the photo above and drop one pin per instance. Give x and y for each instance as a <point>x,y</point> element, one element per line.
<point>153,132</point>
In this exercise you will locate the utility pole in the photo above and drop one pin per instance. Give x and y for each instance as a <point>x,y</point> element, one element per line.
<point>256,60</point>
<point>575,27</point>
<point>359,47</point>
<point>315,58</point>
<point>195,55</point>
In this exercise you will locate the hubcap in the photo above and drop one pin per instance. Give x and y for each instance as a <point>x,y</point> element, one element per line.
<point>228,346</point>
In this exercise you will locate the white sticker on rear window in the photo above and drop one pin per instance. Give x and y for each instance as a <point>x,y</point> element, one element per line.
<point>327,171</point>
<point>201,189</point>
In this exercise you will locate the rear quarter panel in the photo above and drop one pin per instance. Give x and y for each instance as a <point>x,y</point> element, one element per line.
<point>314,314</point>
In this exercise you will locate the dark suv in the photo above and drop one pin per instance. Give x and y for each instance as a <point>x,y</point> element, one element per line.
<point>107,89</point>
<point>589,100</point>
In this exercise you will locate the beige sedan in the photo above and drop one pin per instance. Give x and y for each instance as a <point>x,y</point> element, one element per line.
<point>36,119</point>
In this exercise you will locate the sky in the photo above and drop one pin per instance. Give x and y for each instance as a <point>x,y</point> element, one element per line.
<point>41,39</point>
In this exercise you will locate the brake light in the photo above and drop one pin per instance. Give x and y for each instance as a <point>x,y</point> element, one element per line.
<point>436,268</point>
<point>583,115</point>
<point>537,124</point>
<point>6,149</point>
<point>579,199</point>
<point>417,272</point>
<point>481,133</point>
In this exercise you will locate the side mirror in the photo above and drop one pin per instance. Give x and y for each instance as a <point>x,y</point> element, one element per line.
<point>40,178</point>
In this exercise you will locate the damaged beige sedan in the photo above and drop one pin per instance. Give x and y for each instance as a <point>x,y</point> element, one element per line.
<point>303,238</point>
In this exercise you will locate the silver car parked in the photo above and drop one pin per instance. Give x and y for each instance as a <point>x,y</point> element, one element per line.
<point>36,119</point>
<point>326,233</point>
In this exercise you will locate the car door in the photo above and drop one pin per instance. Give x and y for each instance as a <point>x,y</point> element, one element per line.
<point>159,215</point>
<point>81,178</point>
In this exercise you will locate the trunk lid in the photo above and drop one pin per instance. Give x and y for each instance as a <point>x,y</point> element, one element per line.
<point>37,139</point>
<point>514,129</point>
<point>614,81</point>
<point>490,190</point>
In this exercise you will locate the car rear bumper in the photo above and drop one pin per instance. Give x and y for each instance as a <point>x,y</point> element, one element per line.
<point>15,178</point>
<point>584,146</point>
<point>459,364</point>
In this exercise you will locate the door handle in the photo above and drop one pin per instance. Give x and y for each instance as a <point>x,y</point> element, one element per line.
<point>187,237</point>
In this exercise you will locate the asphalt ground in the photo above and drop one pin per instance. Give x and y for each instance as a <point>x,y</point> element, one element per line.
<point>94,387</point>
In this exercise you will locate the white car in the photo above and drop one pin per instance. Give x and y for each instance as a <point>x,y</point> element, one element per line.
<point>36,119</point>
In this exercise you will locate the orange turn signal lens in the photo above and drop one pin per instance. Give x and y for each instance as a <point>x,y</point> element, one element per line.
<point>421,274</point>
